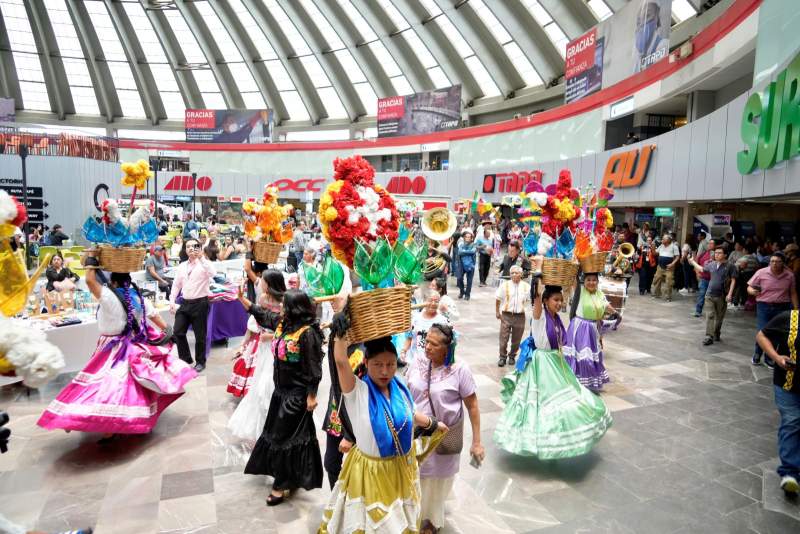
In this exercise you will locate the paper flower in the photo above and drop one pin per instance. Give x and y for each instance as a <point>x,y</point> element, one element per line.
<point>355,208</point>
<point>111,211</point>
<point>266,219</point>
<point>373,266</point>
<point>325,280</point>
<point>25,352</point>
<point>409,261</point>
<point>11,210</point>
<point>136,174</point>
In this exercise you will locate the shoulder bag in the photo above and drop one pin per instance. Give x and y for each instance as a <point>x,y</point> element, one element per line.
<point>453,441</point>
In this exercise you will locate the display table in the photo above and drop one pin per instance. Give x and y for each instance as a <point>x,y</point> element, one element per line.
<point>226,319</point>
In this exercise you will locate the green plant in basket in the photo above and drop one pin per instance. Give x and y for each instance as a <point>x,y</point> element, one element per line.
<point>376,265</point>
<point>409,259</point>
<point>325,280</point>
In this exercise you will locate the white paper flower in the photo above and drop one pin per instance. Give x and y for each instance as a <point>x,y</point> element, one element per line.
<point>46,364</point>
<point>540,198</point>
<point>8,208</point>
<point>546,242</point>
<point>35,360</point>
<point>139,217</point>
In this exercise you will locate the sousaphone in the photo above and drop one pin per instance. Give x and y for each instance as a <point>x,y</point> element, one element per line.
<point>439,224</point>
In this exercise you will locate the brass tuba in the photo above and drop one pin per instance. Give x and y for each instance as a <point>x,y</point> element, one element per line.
<point>626,250</point>
<point>438,224</point>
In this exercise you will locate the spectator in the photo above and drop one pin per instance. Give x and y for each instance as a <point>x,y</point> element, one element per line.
<point>56,237</point>
<point>631,138</point>
<point>775,292</point>
<point>668,256</point>
<point>779,341</point>
<point>747,266</point>
<point>513,257</point>
<point>702,243</point>
<point>704,277</point>
<point>299,242</point>
<point>177,247</point>
<point>485,245</point>
<point>512,298</point>
<point>211,249</point>
<point>190,228</point>
<point>154,269</point>
<point>720,272</point>
<point>466,254</point>
<point>646,265</point>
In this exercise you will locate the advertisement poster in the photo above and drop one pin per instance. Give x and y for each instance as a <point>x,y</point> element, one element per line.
<point>584,68</point>
<point>7,113</point>
<point>228,126</point>
<point>420,113</point>
<point>633,39</point>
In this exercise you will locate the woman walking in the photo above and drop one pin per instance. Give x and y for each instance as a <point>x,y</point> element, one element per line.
<point>548,413</point>
<point>441,388</point>
<point>421,322</point>
<point>132,376</point>
<point>378,489</point>
<point>447,306</point>
<point>466,254</point>
<point>583,348</point>
<point>288,449</point>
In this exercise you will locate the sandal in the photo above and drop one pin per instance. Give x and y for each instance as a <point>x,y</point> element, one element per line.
<point>275,500</point>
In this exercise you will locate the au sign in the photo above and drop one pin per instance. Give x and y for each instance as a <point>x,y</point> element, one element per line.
<point>628,169</point>
<point>771,122</point>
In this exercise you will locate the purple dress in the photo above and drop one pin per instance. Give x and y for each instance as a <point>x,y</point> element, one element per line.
<point>448,387</point>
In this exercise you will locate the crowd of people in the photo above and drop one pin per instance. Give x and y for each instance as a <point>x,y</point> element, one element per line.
<point>395,415</point>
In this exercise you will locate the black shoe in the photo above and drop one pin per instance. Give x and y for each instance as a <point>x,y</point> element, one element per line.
<point>755,360</point>
<point>769,363</point>
<point>501,362</point>
<point>272,500</point>
<point>460,297</point>
<point>466,298</point>
<point>717,338</point>
<point>511,361</point>
<point>200,367</point>
<point>708,340</point>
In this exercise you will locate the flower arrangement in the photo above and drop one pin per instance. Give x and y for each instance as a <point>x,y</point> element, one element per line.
<point>14,284</point>
<point>266,219</point>
<point>25,352</point>
<point>558,208</point>
<point>592,234</point>
<point>355,208</point>
<point>114,230</point>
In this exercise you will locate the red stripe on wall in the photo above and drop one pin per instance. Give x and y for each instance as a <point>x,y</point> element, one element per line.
<point>702,42</point>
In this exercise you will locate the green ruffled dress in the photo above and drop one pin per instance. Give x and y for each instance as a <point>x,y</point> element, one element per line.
<point>548,413</point>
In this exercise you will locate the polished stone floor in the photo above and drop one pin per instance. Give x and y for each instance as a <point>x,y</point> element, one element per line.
<point>692,450</point>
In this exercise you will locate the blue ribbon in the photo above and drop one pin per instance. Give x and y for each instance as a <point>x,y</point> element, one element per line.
<point>397,407</point>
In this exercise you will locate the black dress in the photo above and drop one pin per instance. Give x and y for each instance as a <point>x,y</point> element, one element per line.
<point>288,449</point>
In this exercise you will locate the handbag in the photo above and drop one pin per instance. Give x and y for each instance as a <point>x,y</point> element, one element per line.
<point>453,441</point>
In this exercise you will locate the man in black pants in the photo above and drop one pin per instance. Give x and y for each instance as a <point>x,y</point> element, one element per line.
<point>192,280</point>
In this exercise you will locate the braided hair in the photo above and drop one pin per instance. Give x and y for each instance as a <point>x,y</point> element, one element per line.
<point>124,285</point>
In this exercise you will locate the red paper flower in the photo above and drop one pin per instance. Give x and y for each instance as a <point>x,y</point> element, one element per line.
<point>22,214</point>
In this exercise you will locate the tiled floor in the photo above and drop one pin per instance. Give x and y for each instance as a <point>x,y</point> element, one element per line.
<point>692,450</point>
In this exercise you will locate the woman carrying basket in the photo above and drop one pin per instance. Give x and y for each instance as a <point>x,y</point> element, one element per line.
<point>378,489</point>
<point>288,449</point>
<point>583,348</point>
<point>548,413</point>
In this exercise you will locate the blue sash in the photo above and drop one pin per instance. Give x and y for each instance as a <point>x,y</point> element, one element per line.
<point>397,406</point>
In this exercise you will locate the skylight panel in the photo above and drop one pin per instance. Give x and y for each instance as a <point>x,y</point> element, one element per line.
<point>19,30</point>
<point>368,97</point>
<point>279,75</point>
<point>332,103</point>
<point>398,20</point>
<point>401,85</point>
<point>328,33</point>
<point>491,21</point>
<point>289,29</point>
<point>315,72</point>
<point>253,30</point>
<point>422,52</point>
<point>600,9</point>
<point>214,101</point>
<point>350,66</point>
<point>482,76</point>
<point>106,32</point>
<point>218,32</point>
<point>358,20</point>
<point>295,106</point>
<point>438,77</point>
<point>63,30</point>
<point>189,45</point>
<point>243,78</point>
<point>254,101</point>
<point>557,36</point>
<point>145,33</point>
<point>455,37</point>
<point>522,64</point>
<point>386,60</point>
<point>539,13</point>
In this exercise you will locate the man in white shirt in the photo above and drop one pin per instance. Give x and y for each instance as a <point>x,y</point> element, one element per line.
<point>511,300</point>
<point>193,281</point>
<point>668,256</point>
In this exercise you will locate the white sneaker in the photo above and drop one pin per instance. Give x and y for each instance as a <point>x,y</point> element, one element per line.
<point>684,291</point>
<point>789,484</point>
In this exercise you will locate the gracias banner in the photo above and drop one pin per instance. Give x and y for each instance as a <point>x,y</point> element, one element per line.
<point>634,38</point>
<point>228,126</point>
<point>420,113</point>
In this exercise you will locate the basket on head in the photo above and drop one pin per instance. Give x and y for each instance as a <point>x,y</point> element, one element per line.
<point>379,312</point>
<point>594,263</point>
<point>121,259</point>
<point>559,272</point>
<point>266,251</point>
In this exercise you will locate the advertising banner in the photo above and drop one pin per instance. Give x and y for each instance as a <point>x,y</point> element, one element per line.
<point>228,126</point>
<point>420,113</point>
<point>634,38</point>
<point>7,113</point>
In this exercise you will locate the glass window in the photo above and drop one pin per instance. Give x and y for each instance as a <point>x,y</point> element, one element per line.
<point>397,19</point>
<point>522,64</point>
<point>600,9</point>
<point>539,13</point>
<point>295,106</point>
<point>358,20</point>
<point>350,66</point>
<point>328,33</point>
<point>214,101</point>
<point>401,85</point>
<point>368,97</point>
<point>279,75</point>
<point>243,77</point>
<point>106,32</point>
<point>557,36</point>
<point>482,76</point>
<point>385,59</point>
<point>491,21</point>
<point>189,45</point>
<point>295,39</point>
<point>34,95</point>
<point>26,57</point>
<point>330,99</point>
<point>254,101</point>
<point>173,104</point>
<point>218,32</point>
<point>253,30</point>
<point>438,77</point>
<point>682,10</point>
<point>145,33</point>
<point>315,72</point>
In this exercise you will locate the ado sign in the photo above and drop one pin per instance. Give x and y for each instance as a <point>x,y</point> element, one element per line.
<point>771,122</point>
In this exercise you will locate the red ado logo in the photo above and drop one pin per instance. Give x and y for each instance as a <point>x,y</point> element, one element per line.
<point>183,182</point>
<point>303,184</point>
<point>510,182</point>
<point>402,185</point>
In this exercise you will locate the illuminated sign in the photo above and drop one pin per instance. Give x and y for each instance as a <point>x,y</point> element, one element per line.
<point>303,184</point>
<point>771,122</point>
<point>510,182</point>
<point>628,169</point>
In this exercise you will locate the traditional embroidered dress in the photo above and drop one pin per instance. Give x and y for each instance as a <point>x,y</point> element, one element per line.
<point>582,348</point>
<point>127,382</point>
<point>244,367</point>
<point>378,489</point>
<point>548,413</point>
<point>288,449</point>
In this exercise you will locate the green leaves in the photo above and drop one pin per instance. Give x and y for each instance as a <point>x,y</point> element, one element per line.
<point>374,266</point>
<point>409,261</point>
<point>326,280</point>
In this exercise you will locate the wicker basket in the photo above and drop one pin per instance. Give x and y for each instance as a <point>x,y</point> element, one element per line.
<point>594,263</point>
<point>559,272</point>
<point>121,259</point>
<point>266,251</point>
<point>379,312</point>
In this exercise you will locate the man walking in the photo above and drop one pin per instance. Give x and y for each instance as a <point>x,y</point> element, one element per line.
<point>668,256</point>
<point>719,271</point>
<point>511,300</point>
<point>703,277</point>
<point>513,257</point>
<point>300,240</point>
<point>780,342</point>
<point>775,292</point>
<point>192,280</point>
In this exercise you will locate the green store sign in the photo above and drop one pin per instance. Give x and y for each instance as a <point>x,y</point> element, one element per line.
<point>771,122</point>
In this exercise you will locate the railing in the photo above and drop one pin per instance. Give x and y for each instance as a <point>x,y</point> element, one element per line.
<point>63,144</point>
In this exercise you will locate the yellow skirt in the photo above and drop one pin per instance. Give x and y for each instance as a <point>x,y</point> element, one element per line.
<point>378,495</point>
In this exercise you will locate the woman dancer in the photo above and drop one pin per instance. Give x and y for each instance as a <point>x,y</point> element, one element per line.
<point>440,385</point>
<point>548,413</point>
<point>378,489</point>
<point>288,449</point>
<point>254,354</point>
<point>129,380</point>
<point>583,348</point>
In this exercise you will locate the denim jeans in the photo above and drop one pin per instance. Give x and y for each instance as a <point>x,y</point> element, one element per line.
<point>702,287</point>
<point>764,314</point>
<point>465,287</point>
<point>788,432</point>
